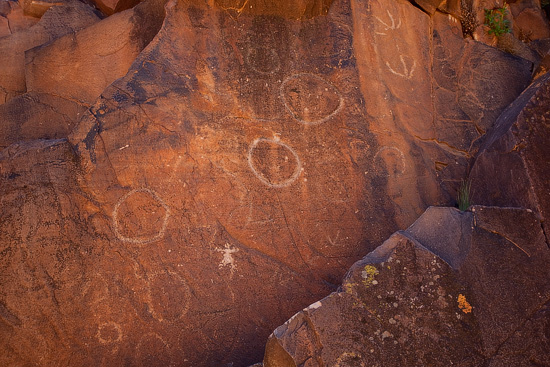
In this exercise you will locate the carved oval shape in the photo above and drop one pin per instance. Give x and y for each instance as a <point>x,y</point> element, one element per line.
<point>310,99</point>
<point>273,162</point>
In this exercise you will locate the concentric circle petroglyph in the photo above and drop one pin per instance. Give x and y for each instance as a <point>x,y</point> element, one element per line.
<point>150,223</point>
<point>109,332</point>
<point>263,60</point>
<point>273,162</point>
<point>392,158</point>
<point>310,99</point>
<point>168,296</point>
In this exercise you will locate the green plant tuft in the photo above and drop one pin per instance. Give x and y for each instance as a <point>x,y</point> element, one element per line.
<point>496,20</point>
<point>463,198</point>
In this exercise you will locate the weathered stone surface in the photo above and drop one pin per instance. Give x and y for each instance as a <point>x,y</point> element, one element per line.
<point>394,306</point>
<point>110,7</point>
<point>529,345</point>
<point>501,254</point>
<point>37,116</point>
<point>466,77</point>
<point>37,9</point>
<point>440,121</point>
<point>43,250</point>
<point>530,22</point>
<point>57,21</point>
<point>67,297</point>
<point>471,283</point>
<point>232,176</point>
<point>79,66</point>
<point>294,9</point>
<point>12,19</point>
<point>512,168</point>
<point>429,6</point>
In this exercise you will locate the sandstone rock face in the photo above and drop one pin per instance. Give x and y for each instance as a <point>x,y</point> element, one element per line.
<point>37,116</point>
<point>79,66</point>
<point>12,19</point>
<point>231,177</point>
<point>43,248</point>
<point>295,9</point>
<point>56,22</point>
<point>512,168</point>
<point>530,22</point>
<point>470,283</point>
<point>110,7</point>
<point>38,8</point>
<point>438,124</point>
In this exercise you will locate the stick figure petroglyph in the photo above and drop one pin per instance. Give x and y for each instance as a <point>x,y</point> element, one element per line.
<point>228,260</point>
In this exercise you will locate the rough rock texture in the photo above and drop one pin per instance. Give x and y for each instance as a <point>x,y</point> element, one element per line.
<point>530,22</point>
<point>57,21</point>
<point>110,7</point>
<point>79,66</point>
<point>37,9</point>
<point>430,6</point>
<point>42,250</point>
<point>436,125</point>
<point>231,177</point>
<point>512,168</point>
<point>472,283</point>
<point>37,116</point>
<point>295,9</point>
<point>12,19</point>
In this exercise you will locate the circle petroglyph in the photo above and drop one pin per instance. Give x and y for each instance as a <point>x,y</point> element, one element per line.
<point>140,217</point>
<point>392,158</point>
<point>350,359</point>
<point>109,332</point>
<point>168,296</point>
<point>273,162</point>
<point>263,60</point>
<point>153,350</point>
<point>310,99</point>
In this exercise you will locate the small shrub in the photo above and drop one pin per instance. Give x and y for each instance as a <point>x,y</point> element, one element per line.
<point>496,20</point>
<point>463,198</point>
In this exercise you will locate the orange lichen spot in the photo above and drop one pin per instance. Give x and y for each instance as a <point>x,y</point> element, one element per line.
<point>463,304</point>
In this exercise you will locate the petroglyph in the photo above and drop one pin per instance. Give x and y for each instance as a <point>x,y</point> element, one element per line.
<point>109,332</point>
<point>390,26</point>
<point>334,242</point>
<point>168,296</point>
<point>228,260</point>
<point>392,158</point>
<point>263,60</point>
<point>407,67</point>
<point>310,99</point>
<point>273,162</point>
<point>350,359</point>
<point>153,350</point>
<point>140,217</point>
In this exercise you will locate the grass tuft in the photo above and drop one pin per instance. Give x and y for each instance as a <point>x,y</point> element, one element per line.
<point>463,198</point>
